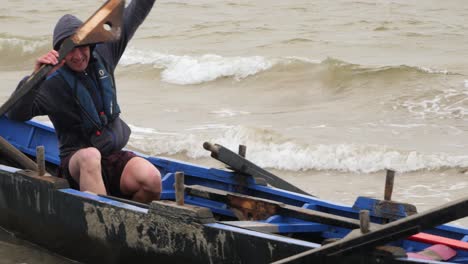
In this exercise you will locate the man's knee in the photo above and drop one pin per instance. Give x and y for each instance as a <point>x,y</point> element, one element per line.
<point>150,186</point>
<point>85,166</point>
<point>143,174</point>
<point>154,179</point>
<point>89,156</point>
<point>84,160</point>
<point>149,175</point>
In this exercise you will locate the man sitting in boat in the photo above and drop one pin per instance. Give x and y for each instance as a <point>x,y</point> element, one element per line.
<point>79,96</point>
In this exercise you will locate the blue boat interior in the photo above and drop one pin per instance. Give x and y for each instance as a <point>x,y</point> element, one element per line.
<point>28,135</point>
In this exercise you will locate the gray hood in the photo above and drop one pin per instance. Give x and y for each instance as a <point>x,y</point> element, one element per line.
<point>65,27</point>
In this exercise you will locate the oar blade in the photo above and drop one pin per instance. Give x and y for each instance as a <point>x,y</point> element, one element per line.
<point>104,25</point>
<point>246,167</point>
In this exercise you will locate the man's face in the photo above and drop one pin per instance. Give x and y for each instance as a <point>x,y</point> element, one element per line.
<point>78,58</point>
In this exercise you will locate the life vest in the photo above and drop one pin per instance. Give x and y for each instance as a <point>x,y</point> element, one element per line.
<point>93,121</point>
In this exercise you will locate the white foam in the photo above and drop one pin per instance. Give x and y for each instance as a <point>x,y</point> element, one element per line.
<point>190,70</point>
<point>25,46</point>
<point>445,104</point>
<point>407,125</point>
<point>185,69</point>
<point>228,112</point>
<point>270,150</point>
<point>434,71</point>
<point>307,60</point>
<point>209,127</point>
<point>466,83</point>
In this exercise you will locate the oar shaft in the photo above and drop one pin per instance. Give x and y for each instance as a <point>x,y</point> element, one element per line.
<point>390,232</point>
<point>36,78</point>
<point>10,152</point>
<point>244,166</point>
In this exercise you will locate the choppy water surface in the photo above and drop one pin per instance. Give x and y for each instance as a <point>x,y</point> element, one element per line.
<point>328,94</point>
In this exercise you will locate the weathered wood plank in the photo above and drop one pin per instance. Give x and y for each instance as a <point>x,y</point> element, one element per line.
<point>260,209</point>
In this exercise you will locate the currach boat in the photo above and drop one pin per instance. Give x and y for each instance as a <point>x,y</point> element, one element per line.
<point>242,214</point>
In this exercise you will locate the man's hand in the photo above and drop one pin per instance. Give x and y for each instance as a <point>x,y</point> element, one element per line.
<point>51,58</point>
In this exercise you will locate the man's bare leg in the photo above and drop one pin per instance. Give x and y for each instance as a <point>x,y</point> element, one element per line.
<point>85,169</point>
<point>141,180</point>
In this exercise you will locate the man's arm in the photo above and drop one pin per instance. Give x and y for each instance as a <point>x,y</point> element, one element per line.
<point>134,15</point>
<point>23,109</point>
<point>33,103</point>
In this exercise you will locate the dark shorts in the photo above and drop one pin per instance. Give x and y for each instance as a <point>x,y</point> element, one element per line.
<point>112,168</point>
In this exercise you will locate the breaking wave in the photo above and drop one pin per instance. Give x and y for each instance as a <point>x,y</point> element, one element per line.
<point>196,69</point>
<point>185,70</point>
<point>270,150</point>
<point>191,69</point>
<point>15,50</point>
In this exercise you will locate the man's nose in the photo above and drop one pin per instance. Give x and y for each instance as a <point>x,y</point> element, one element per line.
<point>77,53</point>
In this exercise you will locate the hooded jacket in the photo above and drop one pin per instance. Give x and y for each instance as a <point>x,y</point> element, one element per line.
<point>52,98</point>
<point>65,27</point>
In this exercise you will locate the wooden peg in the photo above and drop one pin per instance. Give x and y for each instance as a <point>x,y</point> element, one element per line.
<point>179,188</point>
<point>389,179</point>
<point>40,160</point>
<point>364,220</point>
<point>242,150</point>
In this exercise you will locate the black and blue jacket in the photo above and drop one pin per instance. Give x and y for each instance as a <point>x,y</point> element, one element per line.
<point>95,95</point>
<point>56,99</point>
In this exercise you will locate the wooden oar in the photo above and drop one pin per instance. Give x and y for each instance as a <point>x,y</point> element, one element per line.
<point>104,25</point>
<point>244,166</point>
<point>393,231</point>
<point>10,152</point>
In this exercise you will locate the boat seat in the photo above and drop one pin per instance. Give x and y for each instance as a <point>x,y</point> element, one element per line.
<point>254,225</point>
<point>278,227</point>
<point>247,207</point>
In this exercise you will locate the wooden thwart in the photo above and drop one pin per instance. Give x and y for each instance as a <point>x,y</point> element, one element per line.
<point>253,208</point>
